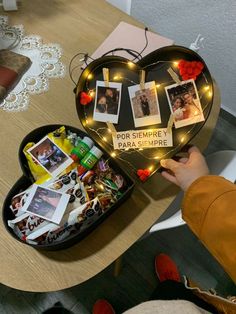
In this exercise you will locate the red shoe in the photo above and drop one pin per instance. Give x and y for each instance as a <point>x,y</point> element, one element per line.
<point>166,269</point>
<point>103,307</point>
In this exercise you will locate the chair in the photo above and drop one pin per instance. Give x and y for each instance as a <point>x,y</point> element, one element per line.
<point>221,163</point>
<point>9,5</point>
<point>123,5</point>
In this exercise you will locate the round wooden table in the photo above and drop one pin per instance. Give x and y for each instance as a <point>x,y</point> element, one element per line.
<point>77,26</point>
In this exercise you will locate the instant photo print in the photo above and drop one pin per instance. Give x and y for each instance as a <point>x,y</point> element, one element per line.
<point>46,203</point>
<point>184,103</point>
<point>50,156</point>
<point>107,102</point>
<point>145,106</point>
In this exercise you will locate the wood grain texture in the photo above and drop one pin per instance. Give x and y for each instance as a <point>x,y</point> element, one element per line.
<point>76,26</point>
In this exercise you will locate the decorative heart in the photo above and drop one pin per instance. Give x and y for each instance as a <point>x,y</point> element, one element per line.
<point>143,174</point>
<point>123,71</point>
<point>85,99</point>
<point>190,69</point>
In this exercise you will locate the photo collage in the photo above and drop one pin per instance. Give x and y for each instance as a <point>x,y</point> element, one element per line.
<point>183,100</point>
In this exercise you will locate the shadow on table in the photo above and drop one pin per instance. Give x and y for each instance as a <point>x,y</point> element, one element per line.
<point>156,188</point>
<point>106,232</point>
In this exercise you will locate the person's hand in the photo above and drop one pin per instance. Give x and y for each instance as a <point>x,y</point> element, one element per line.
<point>185,171</point>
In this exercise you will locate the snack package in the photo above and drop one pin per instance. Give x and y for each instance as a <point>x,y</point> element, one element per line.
<point>26,224</point>
<point>76,221</point>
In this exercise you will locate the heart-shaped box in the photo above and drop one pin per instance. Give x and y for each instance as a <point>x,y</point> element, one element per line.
<point>122,70</point>
<point>139,164</point>
<point>27,179</point>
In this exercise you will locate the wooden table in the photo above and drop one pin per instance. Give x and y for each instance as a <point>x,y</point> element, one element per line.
<point>77,26</point>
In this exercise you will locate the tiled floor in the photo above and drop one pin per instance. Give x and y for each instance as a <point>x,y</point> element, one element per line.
<point>137,279</point>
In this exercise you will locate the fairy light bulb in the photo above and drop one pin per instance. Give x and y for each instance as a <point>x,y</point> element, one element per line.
<point>140,149</point>
<point>157,157</point>
<point>116,77</point>
<point>130,64</point>
<point>158,85</point>
<point>88,121</point>
<point>109,130</point>
<point>91,93</point>
<point>101,186</point>
<point>104,139</point>
<point>113,154</point>
<point>90,76</point>
<point>126,148</point>
<point>209,94</point>
<point>175,63</point>
<point>206,88</point>
<point>150,168</point>
<point>182,139</point>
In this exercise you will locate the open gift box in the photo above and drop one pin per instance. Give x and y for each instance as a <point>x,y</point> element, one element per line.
<point>160,69</point>
<point>27,180</point>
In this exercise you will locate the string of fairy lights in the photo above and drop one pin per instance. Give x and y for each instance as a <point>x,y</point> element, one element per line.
<point>105,133</point>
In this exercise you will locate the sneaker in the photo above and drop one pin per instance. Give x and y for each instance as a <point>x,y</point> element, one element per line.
<point>166,269</point>
<point>103,307</point>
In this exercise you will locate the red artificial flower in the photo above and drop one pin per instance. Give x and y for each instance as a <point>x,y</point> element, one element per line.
<point>143,174</point>
<point>85,98</point>
<point>190,69</point>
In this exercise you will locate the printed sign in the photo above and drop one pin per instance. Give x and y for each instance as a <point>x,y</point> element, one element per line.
<point>142,139</point>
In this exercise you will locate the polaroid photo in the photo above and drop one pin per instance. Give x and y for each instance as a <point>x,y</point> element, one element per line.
<point>184,103</point>
<point>107,102</point>
<point>50,156</point>
<point>144,103</point>
<point>46,203</point>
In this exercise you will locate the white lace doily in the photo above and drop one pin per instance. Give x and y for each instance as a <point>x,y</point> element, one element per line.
<point>45,64</point>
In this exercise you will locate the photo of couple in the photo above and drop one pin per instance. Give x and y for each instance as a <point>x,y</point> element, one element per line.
<point>144,103</point>
<point>107,104</point>
<point>184,103</point>
<point>45,203</point>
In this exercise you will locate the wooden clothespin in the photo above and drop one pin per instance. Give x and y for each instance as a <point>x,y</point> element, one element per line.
<point>174,76</point>
<point>142,79</point>
<point>170,123</point>
<point>105,72</point>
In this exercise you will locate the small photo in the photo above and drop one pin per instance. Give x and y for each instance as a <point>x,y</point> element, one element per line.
<point>184,103</point>
<point>47,204</point>
<point>107,102</point>
<point>18,201</point>
<point>144,103</point>
<point>50,156</point>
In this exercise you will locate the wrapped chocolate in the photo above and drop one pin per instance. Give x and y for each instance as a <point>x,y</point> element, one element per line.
<point>76,221</point>
<point>26,224</point>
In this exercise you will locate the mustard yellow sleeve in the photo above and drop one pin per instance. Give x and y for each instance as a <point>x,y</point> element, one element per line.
<point>209,208</point>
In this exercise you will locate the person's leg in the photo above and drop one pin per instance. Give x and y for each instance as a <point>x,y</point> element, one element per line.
<point>171,287</point>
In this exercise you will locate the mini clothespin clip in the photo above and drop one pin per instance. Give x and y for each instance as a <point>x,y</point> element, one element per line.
<point>174,76</point>
<point>170,123</point>
<point>142,79</point>
<point>105,72</point>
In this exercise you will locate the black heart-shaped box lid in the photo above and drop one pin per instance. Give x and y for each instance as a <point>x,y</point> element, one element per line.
<point>155,65</point>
